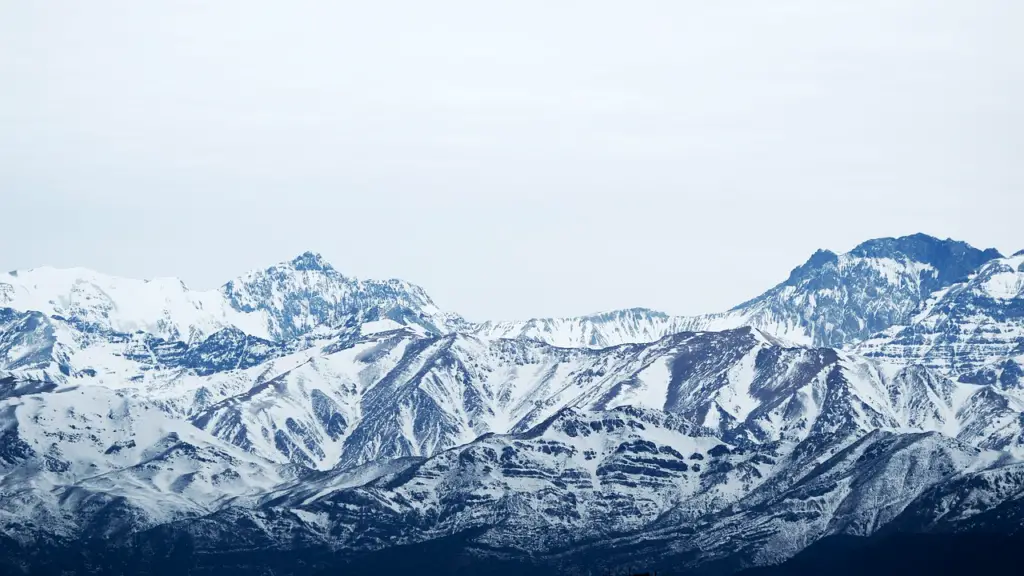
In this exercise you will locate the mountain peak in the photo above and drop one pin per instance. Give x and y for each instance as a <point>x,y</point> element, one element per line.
<point>923,248</point>
<point>953,260</point>
<point>817,260</point>
<point>310,261</point>
<point>888,246</point>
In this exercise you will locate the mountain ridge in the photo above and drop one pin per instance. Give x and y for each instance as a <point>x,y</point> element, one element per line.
<point>808,307</point>
<point>359,416</point>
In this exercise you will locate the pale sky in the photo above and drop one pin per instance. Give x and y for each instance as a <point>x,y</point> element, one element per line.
<point>517,159</point>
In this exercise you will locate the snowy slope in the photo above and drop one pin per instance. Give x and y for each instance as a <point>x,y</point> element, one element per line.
<point>857,490</point>
<point>964,326</point>
<point>635,325</point>
<point>400,393</point>
<point>599,489</point>
<point>36,348</point>
<point>1007,373</point>
<point>164,307</point>
<point>79,458</point>
<point>32,347</point>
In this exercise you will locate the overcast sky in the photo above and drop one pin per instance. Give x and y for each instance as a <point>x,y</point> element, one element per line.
<point>516,159</point>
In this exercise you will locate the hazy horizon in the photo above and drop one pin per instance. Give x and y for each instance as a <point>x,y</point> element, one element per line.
<point>516,161</point>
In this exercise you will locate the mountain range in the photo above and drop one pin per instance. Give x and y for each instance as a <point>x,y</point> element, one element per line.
<point>298,420</point>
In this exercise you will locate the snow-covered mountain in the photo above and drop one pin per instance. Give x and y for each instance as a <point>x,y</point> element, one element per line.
<point>29,347</point>
<point>399,394</point>
<point>836,300</point>
<point>634,325</point>
<point>278,303</point>
<point>304,414</point>
<point>830,300</point>
<point>296,297</point>
<point>163,307</point>
<point>78,459</point>
<point>162,452</point>
<point>962,327</point>
<point>600,490</point>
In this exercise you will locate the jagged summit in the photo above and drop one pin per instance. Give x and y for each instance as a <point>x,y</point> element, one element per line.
<point>952,259</point>
<point>310,261</point>
<point>839,299</point>
<point>817,260</point>
<point>308,292</point>
<point>918,242</point>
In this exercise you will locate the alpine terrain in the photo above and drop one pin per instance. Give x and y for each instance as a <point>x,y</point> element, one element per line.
<point>299,421</point>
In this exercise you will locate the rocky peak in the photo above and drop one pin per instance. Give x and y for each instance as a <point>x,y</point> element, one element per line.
<point>952,260</point>
<point>310,261</point>
<point>818,260</point>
